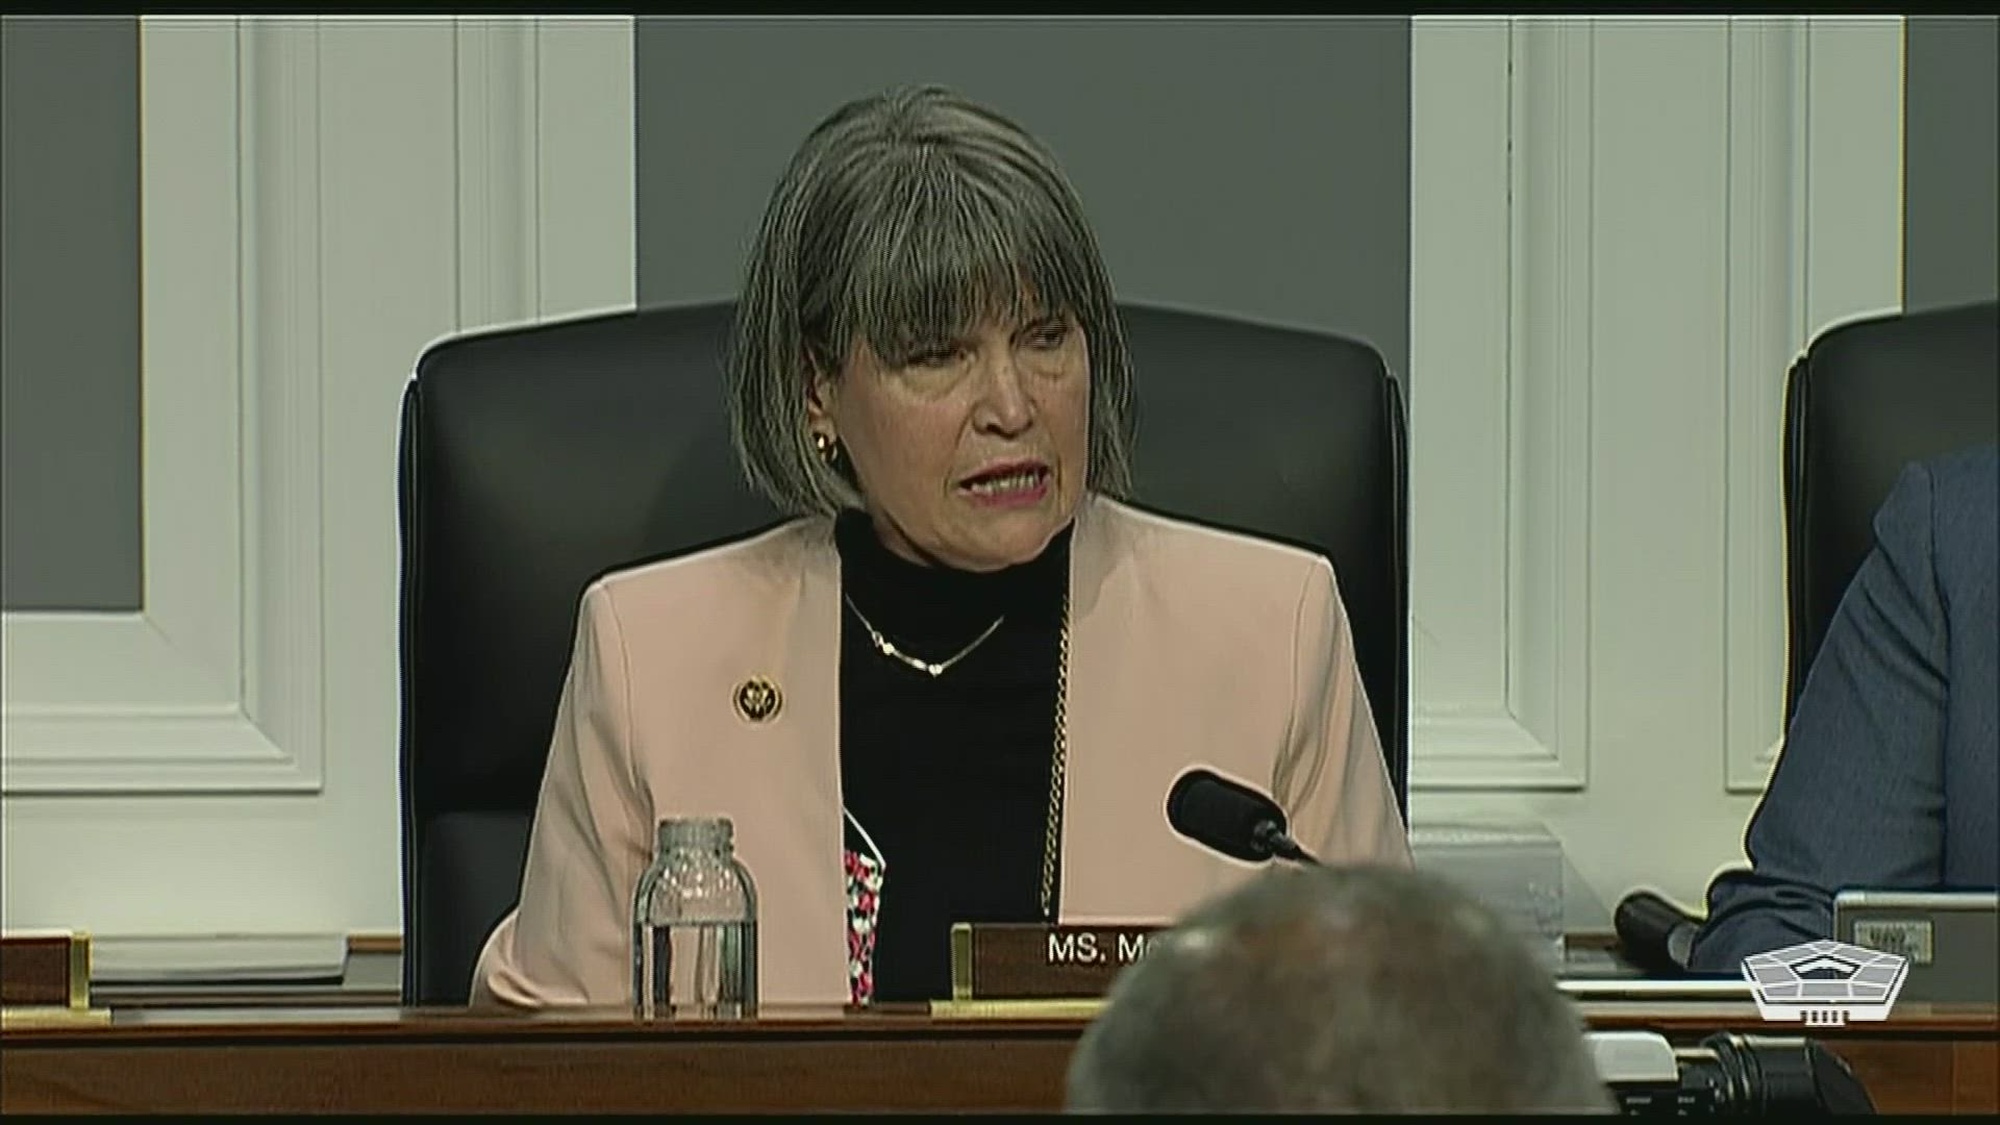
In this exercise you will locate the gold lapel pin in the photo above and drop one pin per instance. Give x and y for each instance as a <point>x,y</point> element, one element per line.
<point>758,700</point>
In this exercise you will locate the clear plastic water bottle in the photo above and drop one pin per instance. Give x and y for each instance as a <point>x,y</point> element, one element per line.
<point>694,926</point>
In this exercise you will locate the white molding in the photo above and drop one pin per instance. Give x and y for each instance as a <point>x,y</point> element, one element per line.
<point>72,663</point>
<point>1815,238</point>
<point>1853,175</point>
<point>214,686</point>
<point>588,170</point>
<point>545,168</point>
<point>1500,332</point>
<point>284,669</point>
<point>498,171</point>
<point>1502,263</point>
<point>352,183</point>
<point>219,684</point>
<point>1766,322</point>
<point>1551,361</point>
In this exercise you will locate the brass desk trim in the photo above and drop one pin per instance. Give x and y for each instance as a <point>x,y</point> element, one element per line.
<point>957,1009</point>
<point>386,1060</point>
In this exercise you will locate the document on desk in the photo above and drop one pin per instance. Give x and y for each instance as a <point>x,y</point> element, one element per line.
<point>1704,988</point>
<point>218,958</point>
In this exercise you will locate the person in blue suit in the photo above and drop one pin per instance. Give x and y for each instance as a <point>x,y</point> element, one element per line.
<point>1890,772</point>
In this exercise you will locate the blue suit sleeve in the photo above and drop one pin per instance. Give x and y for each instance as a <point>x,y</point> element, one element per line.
<point>1857,796</point>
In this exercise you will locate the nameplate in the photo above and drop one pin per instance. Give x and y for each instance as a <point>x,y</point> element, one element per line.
<point>1016,961</point>
<point>44,969</point>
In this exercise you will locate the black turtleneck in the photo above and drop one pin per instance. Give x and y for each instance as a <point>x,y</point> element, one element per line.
<point>949,775</point>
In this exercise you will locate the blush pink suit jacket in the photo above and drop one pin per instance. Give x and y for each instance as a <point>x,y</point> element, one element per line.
<point>1188,646</point>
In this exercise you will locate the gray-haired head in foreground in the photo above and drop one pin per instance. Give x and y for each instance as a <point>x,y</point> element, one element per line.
<point>905,219</point>
<point>1354,989</point>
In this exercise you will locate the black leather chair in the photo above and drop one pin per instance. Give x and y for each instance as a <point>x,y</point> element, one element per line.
<point>533,460</point>
<point>1864,399</point>
<point>1868,397</point>
<point>1861,403</point>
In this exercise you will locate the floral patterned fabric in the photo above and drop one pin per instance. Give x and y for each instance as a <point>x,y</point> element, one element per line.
<point>864,905</point>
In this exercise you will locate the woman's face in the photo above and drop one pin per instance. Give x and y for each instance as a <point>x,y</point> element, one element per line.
<point>971,453</point>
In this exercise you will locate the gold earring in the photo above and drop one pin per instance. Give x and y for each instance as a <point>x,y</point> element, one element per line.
<point>826,445</point>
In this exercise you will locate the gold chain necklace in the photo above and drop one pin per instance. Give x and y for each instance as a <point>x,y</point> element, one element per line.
<point>1058,760</point>
<point>887,648</point>
<point>1058,771</point>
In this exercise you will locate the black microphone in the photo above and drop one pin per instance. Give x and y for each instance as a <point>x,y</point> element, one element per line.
<point>1654,934</point>
<point>1233,819</point>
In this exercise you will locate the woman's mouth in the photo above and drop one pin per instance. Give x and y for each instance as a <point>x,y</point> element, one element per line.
<point>1013,484</point>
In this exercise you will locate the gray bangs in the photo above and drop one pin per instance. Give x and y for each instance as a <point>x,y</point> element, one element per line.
<point>939,248</point>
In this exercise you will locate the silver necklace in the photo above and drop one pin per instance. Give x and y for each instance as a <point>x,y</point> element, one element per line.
<point>888,648</point>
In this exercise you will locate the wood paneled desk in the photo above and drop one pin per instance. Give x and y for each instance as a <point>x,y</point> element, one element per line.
<point>372,1060</point>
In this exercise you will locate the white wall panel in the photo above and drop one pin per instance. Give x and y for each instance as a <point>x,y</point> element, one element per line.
<point>323,198</point>
<point>1624,229</point>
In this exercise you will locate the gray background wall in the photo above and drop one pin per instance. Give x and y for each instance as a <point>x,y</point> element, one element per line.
<point>69,304</point>
<point>1951,166</point>
<point>1260,168</point>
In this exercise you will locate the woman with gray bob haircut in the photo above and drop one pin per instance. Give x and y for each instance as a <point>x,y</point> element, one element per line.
<point>900,222</point>
<point>957,684</point>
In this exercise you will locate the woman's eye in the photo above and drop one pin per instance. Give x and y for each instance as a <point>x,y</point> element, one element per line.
<point>935,357</point>
<point>1049,337</point>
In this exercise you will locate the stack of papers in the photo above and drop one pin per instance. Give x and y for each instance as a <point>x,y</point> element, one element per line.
<point>218,958</point>
<point>1700,988</point>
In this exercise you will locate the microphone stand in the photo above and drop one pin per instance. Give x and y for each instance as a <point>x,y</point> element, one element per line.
<point>1274,841</point>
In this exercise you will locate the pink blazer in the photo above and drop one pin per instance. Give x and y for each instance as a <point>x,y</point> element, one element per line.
<point>1188,646</point>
